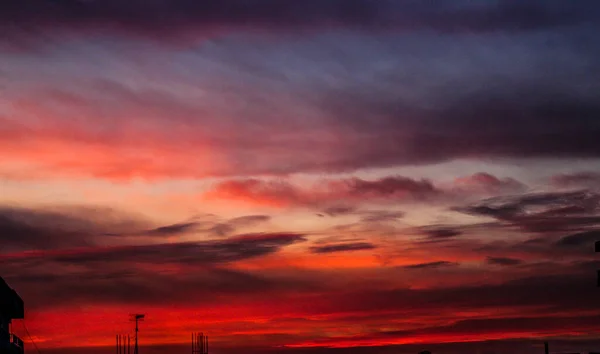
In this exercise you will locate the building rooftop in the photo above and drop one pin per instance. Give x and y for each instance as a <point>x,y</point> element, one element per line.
<point>11,304</point>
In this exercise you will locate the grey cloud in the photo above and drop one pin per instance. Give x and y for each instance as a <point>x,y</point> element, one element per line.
<point>580,239</point>
<point>431,265</point>
<point>208,252</point>
<point>376,216</point>
<point>587,179</point>
<point>230,226</point>
<point>121,274</point>
<point>163,19</point>
<point>25,228</point>
<point>339,210</point>
<point>437,233</point>
<point>504,261</point>
<point>343,247</point>
<point>542,212</point>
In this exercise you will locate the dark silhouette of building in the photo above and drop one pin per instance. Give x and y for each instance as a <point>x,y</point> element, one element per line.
<point>11,308</point>
<point>425,352</point>
<point>597,246</point>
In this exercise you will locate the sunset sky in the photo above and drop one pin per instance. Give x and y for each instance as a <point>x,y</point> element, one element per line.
<point>302,176</point>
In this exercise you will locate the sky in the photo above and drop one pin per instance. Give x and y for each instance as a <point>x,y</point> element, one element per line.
<point>316,176</point>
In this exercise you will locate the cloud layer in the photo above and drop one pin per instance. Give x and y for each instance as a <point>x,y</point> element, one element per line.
<point>280,174</point>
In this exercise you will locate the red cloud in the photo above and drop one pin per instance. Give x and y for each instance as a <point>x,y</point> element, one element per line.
<point>284,193</point>
<point>486,183</point>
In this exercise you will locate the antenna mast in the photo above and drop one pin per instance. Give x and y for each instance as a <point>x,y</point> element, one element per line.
<point>136,318</point>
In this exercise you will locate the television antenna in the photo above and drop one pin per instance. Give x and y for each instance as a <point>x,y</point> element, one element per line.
<point>136,317</point>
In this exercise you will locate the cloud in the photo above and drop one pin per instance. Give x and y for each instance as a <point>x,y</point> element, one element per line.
<point>320,299</point>
<point>542,212</point>
<point>377,216</point>
<point>62,227</point>
<point>587,238</point>
<point>283,193</point>
<point>229,250</point>
<point>339,210</point>
<point>230,226</point>
<point>486,183</point>
<point>160,19</point>
<point>496,328</point>
<point>431,265</point>
<point>174,229</point>
<point>343,247</point>
<point>503,261</point>
<point>144,273</point>
<point>440,233</point>
<point>577,180</point>
<point>434,105</point>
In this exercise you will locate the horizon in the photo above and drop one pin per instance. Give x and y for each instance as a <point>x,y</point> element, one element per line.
<point>302,176</point>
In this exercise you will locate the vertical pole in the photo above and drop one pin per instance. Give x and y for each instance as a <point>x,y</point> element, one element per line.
<point>135,350</point>
<point>128,344</point>
<point>546,349</point>
<point>206,344</point>
<point>117,344</point>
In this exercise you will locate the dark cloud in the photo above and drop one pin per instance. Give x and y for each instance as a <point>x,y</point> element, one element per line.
<point>67,227</point>
<point>431,265</point>
<point>519,117</point>
<point>497,326</point>
<point>230,226</point>
<point>542,212</point>
<point>436,233</point>
<point>22,228</point>
<point>174,229</point>
<point>339,210</point>
<point>504,261</point>
<point>378,216</point>
<point>391,186</point>
<point>104,285</point>
<point>163,18</point>
<point>344,247</point>
<point>209,252</point>
<point>563,287</point>
<point>578,180</point>
<point>587,238</point>
<point>545,107</point>
<point>125,274</point>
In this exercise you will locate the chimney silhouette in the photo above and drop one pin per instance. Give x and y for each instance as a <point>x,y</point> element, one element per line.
<point>546,348</point>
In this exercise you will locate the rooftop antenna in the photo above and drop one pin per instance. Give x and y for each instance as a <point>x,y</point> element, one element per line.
<point>136,317</point>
